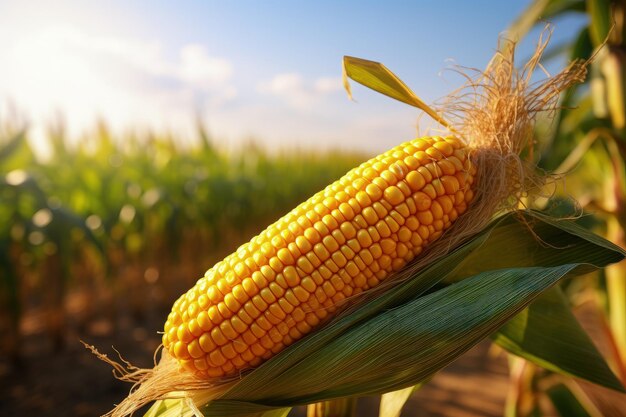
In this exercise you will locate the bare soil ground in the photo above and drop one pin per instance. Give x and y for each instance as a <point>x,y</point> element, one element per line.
<point>74,383</point>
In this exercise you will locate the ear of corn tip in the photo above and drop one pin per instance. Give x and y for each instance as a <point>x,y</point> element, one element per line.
<point>294,276</point>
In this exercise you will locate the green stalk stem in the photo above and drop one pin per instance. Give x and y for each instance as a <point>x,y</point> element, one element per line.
<point>616,289</point>
<point>613,70</point>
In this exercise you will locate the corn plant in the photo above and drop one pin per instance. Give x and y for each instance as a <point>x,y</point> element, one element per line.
<point>264,329</point>
<point>588,136</point>
<point>36,230</point>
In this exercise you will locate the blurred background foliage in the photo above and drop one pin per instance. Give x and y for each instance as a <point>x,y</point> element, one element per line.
<point>138,217</point>
<point>585,141</point>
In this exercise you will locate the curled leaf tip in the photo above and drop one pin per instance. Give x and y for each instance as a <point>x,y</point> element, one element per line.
<point>379,78</point>
<point>345,78</point>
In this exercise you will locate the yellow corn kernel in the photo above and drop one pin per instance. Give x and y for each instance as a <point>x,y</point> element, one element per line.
<point>299,272</point>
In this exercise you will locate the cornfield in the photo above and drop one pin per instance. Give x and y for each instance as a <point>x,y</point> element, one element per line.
<point>123,215</point>
<point>376,281</point>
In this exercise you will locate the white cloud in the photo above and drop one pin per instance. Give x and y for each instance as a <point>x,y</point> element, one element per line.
<point>297,91</point>
<point>133,83</point>
<point>328,85</point>
<point>199,68</point>
<point>128,82</point>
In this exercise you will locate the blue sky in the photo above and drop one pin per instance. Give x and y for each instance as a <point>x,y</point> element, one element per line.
<point>268,70</point>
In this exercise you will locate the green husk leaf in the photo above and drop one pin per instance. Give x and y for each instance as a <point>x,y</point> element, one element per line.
<point>405,336</point>
<point>538,240</point>
<point>532,334</point>
<point>402,346</point>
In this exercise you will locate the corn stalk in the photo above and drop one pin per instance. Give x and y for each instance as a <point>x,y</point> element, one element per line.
<point>590,136</point>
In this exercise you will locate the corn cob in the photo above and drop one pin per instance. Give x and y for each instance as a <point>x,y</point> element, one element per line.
<point>297,273</point>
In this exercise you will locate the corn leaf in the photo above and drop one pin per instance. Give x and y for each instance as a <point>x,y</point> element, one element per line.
<point>531,334</point>
<point>406,335</point>
<point>526,20</point>
<point>280,412</point>
<point>15,152</point>
<point>600,13</point>
<point>9,284</point>
<point>379,78</point>
<point>536,240</point>
<point>391,403</point>
<point>338,407</point>
<point>402,346</point>
<point>167,408</point>
<point>566,402</point>
<point>569,351</point>
<point>178,408</point>
<point>542,10</point>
